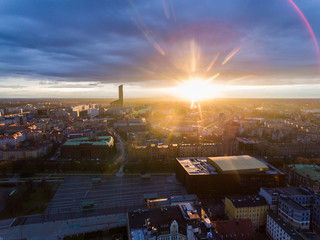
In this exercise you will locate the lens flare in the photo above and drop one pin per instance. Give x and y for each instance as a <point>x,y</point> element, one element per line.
<point>213,62</point>
<point>230,55</point>
<point>307,25</point>
<point>195,90</point>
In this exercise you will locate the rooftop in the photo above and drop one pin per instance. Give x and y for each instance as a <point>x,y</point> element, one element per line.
<point>156,217</point>
<point>244,163</point>
<point>173,200</point>
<point>293,204</point>
<point>236,227</point>
<point>290,191</point>
<point>248,201</point>
<point>225,165</point>
<point>189,211</point>
<point>197,166</point>
<point>313,171</point>
<point>98,141</point>
<point>247,140</point>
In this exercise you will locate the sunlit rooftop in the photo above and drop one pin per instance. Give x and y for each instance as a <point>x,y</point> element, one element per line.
<point>243,163</point>
<point>224,165</point>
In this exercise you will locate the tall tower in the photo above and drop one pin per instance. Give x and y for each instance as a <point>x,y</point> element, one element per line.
<point>119,102</point>
<point>121,96</point>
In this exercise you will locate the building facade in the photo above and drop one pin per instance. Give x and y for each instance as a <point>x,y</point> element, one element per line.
<point>304,174</point>
<point>277,229</point>
<point>172,151</point>
<point>253,207</point>
<point>294,214</point>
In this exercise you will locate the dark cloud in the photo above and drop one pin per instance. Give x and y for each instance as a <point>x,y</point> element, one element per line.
<point>142,40</point>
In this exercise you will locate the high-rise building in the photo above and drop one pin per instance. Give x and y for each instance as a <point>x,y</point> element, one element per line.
<point>121,95</point>
<point>119,102</point>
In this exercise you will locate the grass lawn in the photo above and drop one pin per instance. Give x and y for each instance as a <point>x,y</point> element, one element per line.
<point>25,202</point>
<point>37,201</point>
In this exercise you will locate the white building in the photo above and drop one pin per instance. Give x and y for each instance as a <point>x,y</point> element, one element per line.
<point>93,112</point>
<point>10,110</point>
<point>277,229</point>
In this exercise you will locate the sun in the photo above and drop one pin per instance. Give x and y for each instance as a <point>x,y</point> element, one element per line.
<point>195,90</point>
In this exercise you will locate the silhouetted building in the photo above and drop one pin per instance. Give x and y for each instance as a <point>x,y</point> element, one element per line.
<point>221,176</point>
<point>172,151</point>
<point>137,125</point>
<point>88,148</point>
<point>119,102</point>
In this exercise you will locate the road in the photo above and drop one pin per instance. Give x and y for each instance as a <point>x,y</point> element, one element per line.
<point>61,228</point>
<point>112,194</point>
<point>122,159</point>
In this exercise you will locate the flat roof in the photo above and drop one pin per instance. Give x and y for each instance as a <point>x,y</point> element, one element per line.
<point>204,166</point>
<point>244,163</point>
<point>248,201</point>
<point>290,191</point>
<point>197,166</point>
<point>98,141</point>
<point>313,171</point>
<point>293,204</point>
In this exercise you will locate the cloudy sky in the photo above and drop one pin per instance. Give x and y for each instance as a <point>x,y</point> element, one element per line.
<point>83,48</point>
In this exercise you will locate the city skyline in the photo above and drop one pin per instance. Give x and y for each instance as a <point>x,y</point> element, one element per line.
<point>244,49</point>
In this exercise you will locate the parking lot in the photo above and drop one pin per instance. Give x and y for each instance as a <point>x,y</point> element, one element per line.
<point>113,194</point>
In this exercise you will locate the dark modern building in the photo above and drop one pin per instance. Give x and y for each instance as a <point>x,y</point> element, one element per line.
<point>88,148</point>
<point>119,102</point>
<point>227,175</point>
